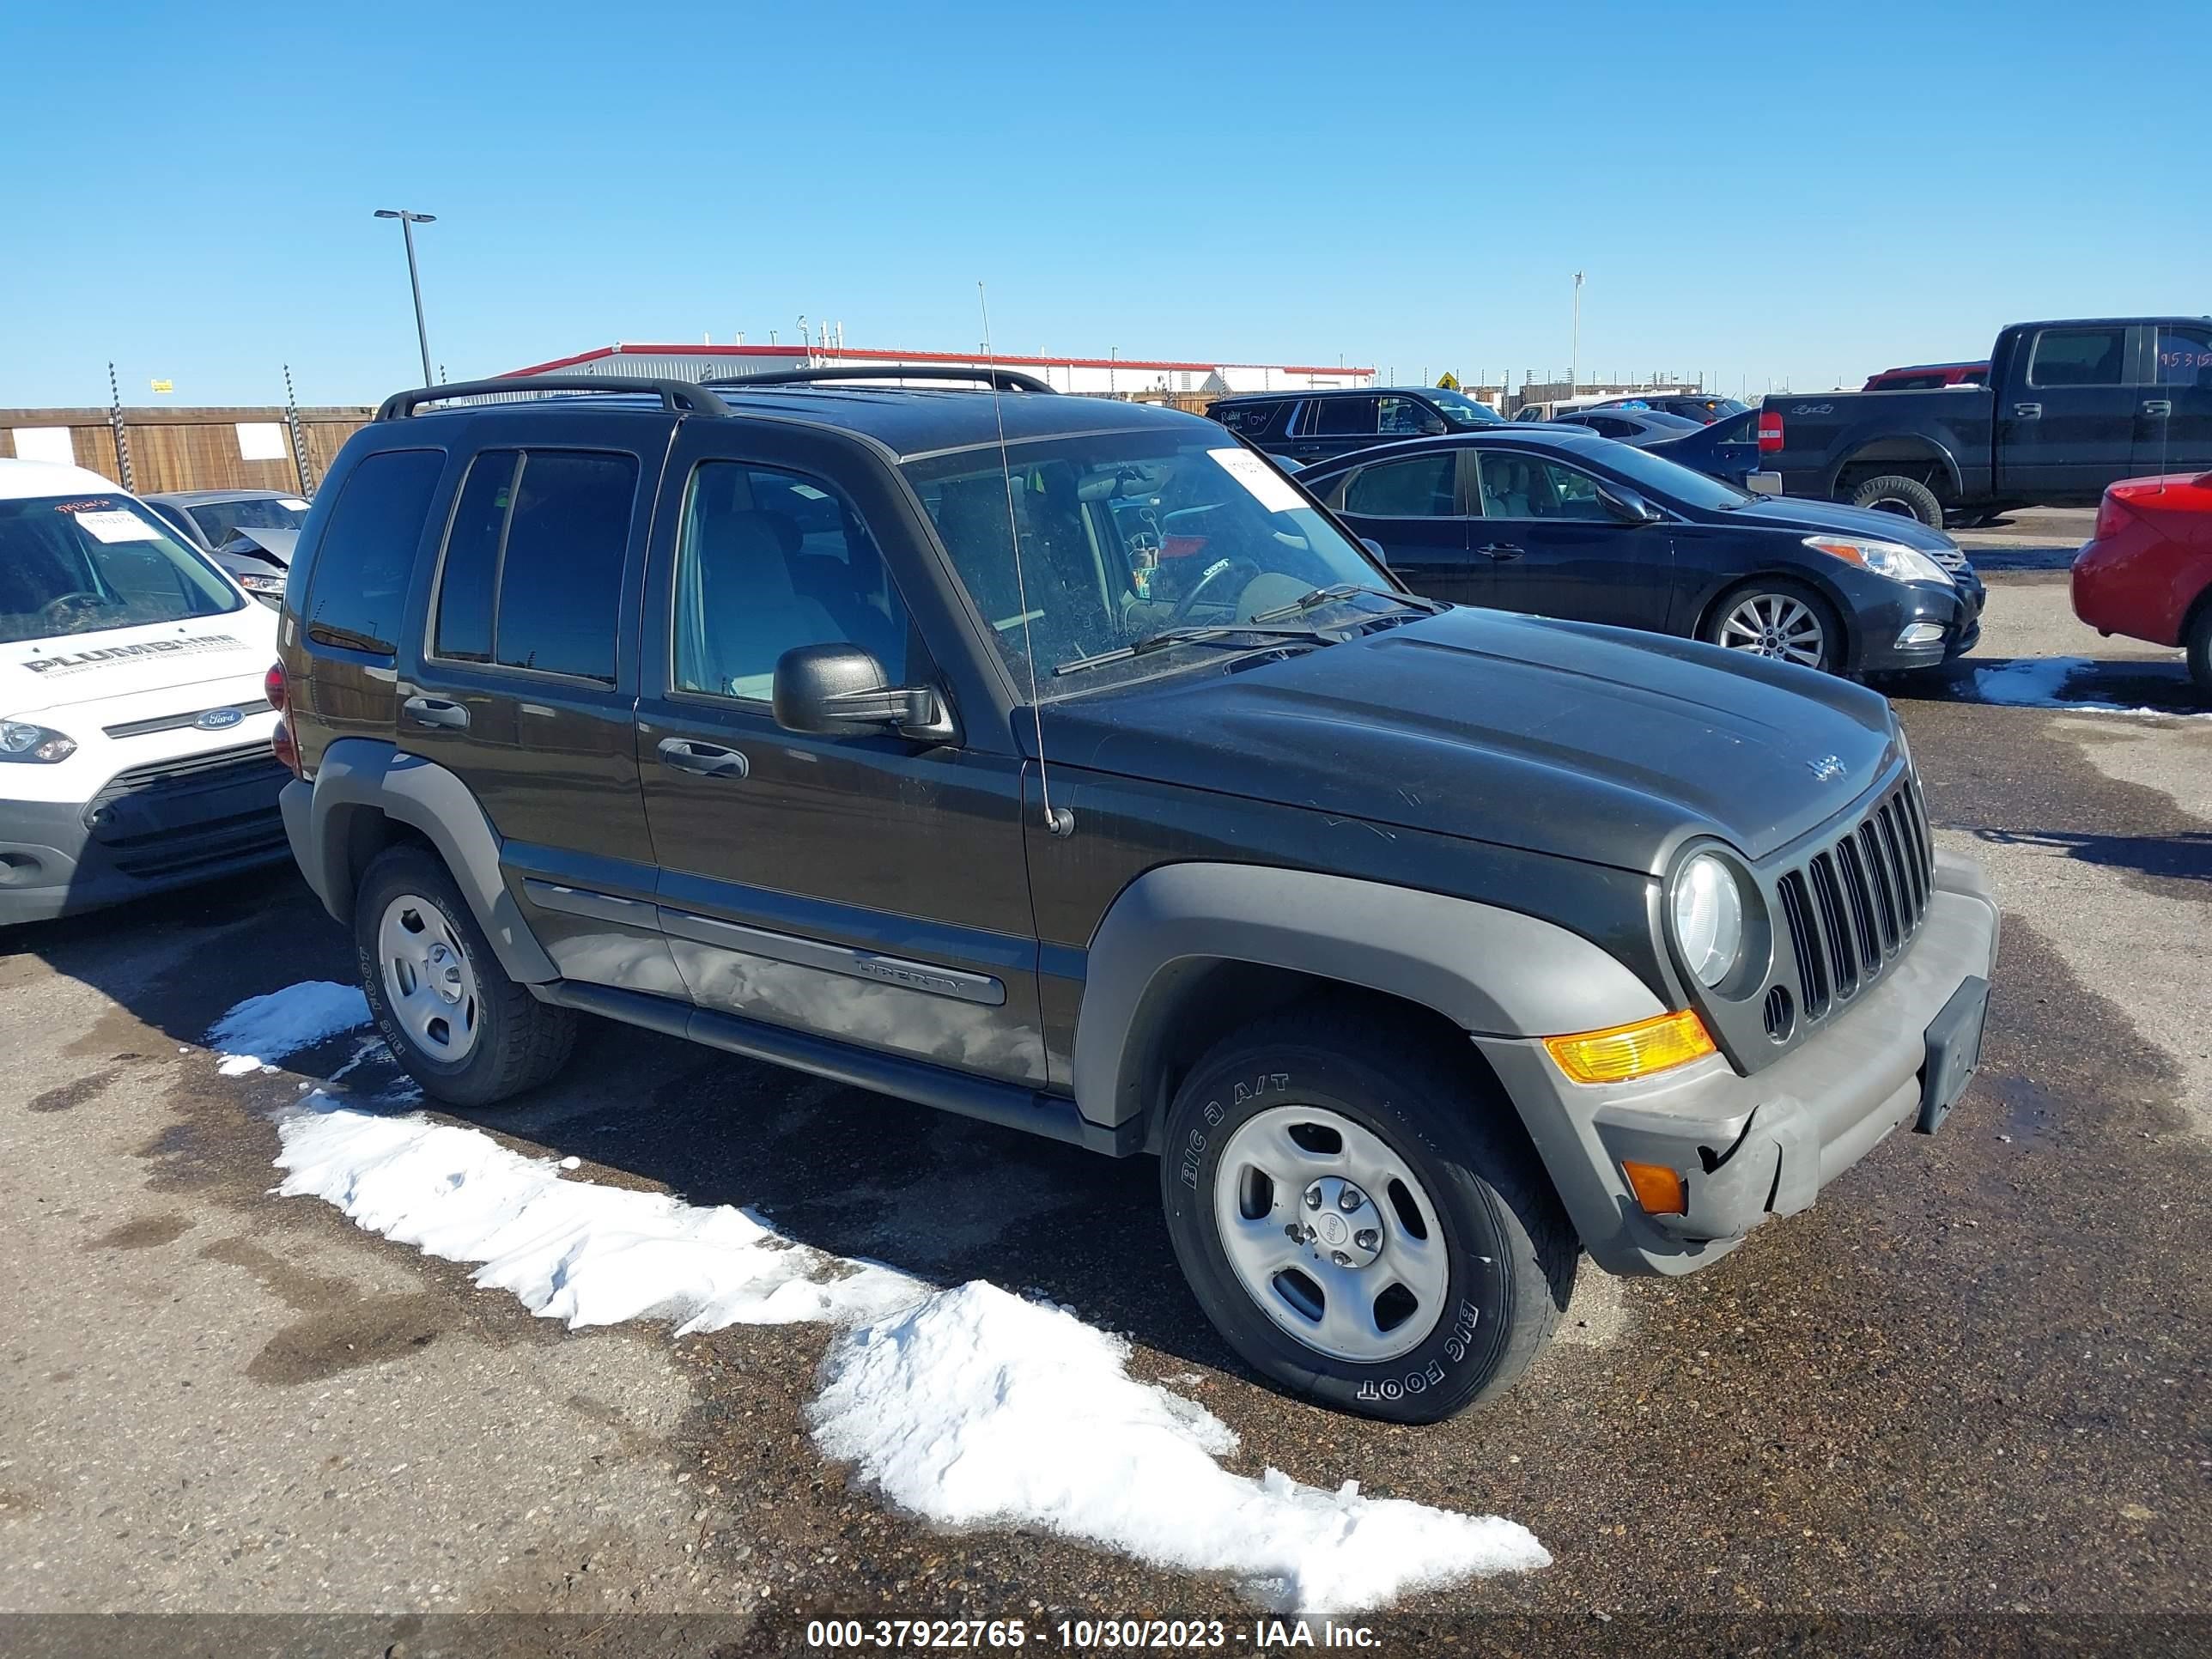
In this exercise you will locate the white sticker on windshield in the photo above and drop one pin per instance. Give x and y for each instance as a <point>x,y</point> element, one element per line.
<point>1268,487</point>
<point>116,526</point>
<point>294,502</point>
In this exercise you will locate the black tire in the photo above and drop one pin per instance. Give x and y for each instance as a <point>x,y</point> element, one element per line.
<point>1833,640</point>
<point>1906,497</point>
<point>519,1042</point>
<point>1510,1251</point>
<point>2198,642</point>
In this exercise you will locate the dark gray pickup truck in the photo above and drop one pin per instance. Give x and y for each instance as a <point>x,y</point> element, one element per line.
<point>2069,408</point>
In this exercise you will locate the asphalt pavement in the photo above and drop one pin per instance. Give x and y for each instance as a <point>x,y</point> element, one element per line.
<point>1968,1396</point>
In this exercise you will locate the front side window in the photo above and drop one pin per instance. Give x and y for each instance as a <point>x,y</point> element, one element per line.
<point>1462,410</point>
<point>82,564</point>
<point>532,573</point>
<point>368,556</point>
<point>769,561</point>
<point>2184,355</point>
<point>1122,535</point>
<point>2078,356</point>
<point>1406,418</point>
<point>1419,488</point>
<point>1527,487</point>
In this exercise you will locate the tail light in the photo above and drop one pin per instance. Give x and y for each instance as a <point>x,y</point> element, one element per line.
<point>280,737</point>
<point>2111,515</point>
<point>272,686</point>
<point>1770,431</point>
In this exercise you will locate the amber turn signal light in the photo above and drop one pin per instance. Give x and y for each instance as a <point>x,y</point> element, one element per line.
<point>1622,1052</point>
<point>1657,1188</point>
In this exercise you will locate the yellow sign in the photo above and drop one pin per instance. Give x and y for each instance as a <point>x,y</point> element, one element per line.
<point>1447,382</point>
<point>164,385</point>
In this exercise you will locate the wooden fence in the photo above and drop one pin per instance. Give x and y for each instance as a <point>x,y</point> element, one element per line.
<point>175,448</point>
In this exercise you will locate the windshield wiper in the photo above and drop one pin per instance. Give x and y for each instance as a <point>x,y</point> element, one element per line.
<point>1321,596</point>
<point>1195,635</point>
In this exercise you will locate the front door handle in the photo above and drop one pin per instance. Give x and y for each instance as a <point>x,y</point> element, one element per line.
<point>704,760</point>
<point>436,711</point>
<point>2028,411</point>
<point>1500,552</point>
<point>2157,409</point>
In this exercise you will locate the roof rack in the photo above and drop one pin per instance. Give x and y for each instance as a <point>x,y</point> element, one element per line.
<point>678,396</point>
<point>1004,380</point>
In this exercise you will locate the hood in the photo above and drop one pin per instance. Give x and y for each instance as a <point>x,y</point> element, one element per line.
<point>277,545</point>
<point>1791,512</point>
<point>64,671</point>
<point>1593,742</point>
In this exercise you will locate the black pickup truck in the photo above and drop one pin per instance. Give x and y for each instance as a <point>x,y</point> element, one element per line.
<point>2069,408</point>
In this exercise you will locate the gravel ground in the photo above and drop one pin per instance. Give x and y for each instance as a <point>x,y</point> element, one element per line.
<point>1970,1386</point>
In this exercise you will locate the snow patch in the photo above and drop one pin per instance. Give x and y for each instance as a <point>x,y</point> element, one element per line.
<point>571,1250</point>
<point>977,1408</point>
<point>970,1407</point>
<point>2040,682</point>
<point>261,1030</point>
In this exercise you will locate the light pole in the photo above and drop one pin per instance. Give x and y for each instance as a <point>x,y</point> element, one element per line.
<point>408,220</point>
<point>1575,351</point>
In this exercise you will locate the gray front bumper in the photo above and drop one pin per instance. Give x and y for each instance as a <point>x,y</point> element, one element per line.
<point>1751,1146</point>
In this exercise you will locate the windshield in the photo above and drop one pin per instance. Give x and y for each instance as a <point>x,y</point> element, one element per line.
<point>217,520</point>
<point>1664,478</point>
<point>1125,534</point>
<point>1464,410</point>
<point>79,564</point>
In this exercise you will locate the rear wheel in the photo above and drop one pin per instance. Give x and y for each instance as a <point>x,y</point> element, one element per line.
<point>1907,497</point>
<point>1361,1219</point>
<point>454,1020</point>
<point>2199,643</point>
<point>1775,617</point>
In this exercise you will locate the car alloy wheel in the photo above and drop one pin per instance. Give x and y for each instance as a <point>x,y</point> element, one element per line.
<point>428,981</point>
<point>1330,1233</point>
<point>1778,625</point>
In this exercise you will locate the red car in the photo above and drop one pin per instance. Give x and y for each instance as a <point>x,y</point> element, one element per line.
<point>2147,571</point>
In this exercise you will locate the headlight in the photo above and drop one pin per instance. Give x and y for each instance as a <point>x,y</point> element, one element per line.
<point>1708,911</point>
<point>1892,559</point>
<point>20,740</point>
<point>256,584</point>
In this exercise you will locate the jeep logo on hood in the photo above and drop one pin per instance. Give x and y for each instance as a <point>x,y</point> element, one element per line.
<point>71,662</point>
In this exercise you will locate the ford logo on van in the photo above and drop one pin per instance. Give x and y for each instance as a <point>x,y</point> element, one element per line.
<point>219,720</point>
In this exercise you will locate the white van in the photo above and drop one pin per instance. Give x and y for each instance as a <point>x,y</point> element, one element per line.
<point>134,713</point>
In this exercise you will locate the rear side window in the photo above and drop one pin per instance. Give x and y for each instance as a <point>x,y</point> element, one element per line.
<point>367,555</point>
<point>1420,488</point>
<point>532,573</point>
<point>2184,355</point>
<point>1250,419</point>
<point>1340,417</point>
<point>2078,356</point>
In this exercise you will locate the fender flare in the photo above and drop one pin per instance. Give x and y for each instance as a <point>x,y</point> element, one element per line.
<point>1489,970</point>
<point>1938,450</point>
<point>358,774</point>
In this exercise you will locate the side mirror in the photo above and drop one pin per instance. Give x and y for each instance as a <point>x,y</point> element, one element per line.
<point>1627,506</point>
<point>1376,548</point>
<point>834,690</point>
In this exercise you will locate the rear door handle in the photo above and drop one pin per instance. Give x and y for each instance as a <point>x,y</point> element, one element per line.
<point>704,760</point>
<point>2028,411</point>
<point>436,711</point>
<point>2158,409</point>
<point>1500,550</point>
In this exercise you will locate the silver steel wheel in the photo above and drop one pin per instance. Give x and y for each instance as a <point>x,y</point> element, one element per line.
<point>427,979</point>
<point>1775,625</point>
<point>1329,1230</point>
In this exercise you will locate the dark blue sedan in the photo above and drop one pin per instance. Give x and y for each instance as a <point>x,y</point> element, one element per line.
<point>1556,521</point>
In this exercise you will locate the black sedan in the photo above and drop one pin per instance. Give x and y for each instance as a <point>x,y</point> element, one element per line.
<point>1727,449</point>
<point>1557,521</point>
<point>1640,427</point>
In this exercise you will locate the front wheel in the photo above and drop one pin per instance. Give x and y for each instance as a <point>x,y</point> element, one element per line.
<point>1777,618</point>
<point>1361,1219</point>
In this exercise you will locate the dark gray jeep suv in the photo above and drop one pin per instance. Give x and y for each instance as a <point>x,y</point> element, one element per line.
<point>1060,763</point>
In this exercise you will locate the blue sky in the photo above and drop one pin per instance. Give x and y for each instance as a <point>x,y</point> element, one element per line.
<point>1764,191</point>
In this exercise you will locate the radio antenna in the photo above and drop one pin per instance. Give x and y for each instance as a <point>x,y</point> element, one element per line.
<point>1059,820</point>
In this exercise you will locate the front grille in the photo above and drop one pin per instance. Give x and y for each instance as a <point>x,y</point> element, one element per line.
<point>1854,906</point>
<point>168,817</point>
<point>245,711</point>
